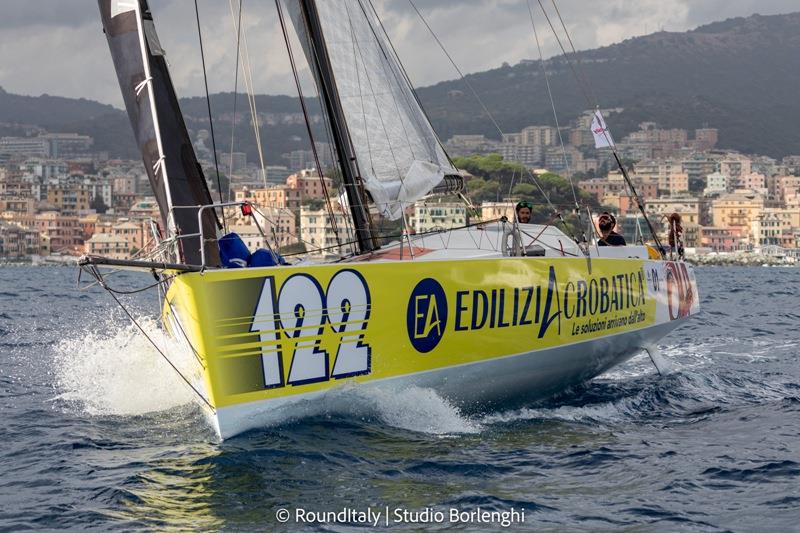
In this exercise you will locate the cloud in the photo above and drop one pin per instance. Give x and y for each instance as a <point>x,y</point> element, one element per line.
<point>44,13</point>
<point>63,60</point>
<point>57,46</point>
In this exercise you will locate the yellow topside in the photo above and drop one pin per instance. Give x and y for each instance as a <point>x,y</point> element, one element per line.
<point>273,332</point>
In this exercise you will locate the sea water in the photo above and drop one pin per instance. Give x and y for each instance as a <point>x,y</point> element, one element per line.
<point>99,433</point>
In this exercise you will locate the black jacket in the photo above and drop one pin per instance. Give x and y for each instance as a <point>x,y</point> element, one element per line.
<point>613,239</point>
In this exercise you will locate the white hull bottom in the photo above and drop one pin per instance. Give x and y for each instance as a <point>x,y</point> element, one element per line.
<point>471,387</point>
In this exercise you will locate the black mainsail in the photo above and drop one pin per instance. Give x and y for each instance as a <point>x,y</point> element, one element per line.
<point>169,159</point>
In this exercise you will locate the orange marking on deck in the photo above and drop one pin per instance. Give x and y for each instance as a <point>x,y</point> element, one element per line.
<point>394,254</point>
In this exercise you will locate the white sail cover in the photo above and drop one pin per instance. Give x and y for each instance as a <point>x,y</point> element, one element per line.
<point>399,156</point>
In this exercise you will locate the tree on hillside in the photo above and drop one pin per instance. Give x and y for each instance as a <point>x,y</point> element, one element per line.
<point>494,179</point>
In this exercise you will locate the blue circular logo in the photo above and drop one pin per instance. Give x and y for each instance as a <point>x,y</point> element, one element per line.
<point>426,317</point>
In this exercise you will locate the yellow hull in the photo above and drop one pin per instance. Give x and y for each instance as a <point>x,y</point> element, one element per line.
<point>270,335</point>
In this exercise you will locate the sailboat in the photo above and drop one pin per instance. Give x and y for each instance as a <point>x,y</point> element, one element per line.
<point>483,314</point>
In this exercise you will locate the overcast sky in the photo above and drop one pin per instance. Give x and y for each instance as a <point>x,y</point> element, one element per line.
<point>57,46</point>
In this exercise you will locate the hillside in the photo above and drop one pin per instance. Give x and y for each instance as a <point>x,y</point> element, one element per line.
<point>739,75</point>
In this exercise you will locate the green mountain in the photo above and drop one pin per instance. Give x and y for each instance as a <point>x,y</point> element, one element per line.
<point>740,75</point>
<point>49,111</point>
<point>108,125</point>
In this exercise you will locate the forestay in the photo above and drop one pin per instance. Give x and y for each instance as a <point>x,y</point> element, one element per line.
<point>399,156</point>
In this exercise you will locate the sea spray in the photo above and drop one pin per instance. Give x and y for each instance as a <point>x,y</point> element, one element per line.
<point>417,409</point>
<point>115,370</point>
<point>411,408</point>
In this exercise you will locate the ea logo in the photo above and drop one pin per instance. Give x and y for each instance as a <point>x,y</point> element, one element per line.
<point>426,317</point>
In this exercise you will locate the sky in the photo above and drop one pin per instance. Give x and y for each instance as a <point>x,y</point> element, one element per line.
<point>57,46</point>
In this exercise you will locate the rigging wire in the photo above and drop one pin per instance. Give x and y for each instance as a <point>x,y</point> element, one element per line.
<point>402,236</point>
<point>341,193</point>
<point>235,95</point>
<point>403,81</point>
<point>304,107</point>
<point>491,117</point>
<point>583,84</point>
<point>354,191</point>
<point>327,148</point>
<point>361,96</point>
<point>183,332</point>
<point>208,104</point>
<point>474,93</point>
<point>410,85</point>
<point>375,99</point>
<point>555,118</point>
<point>575,53</point>
<point>289,233</point>
<point>552,105</point>
<point>247,70</point>
<point>513,178</point>
<point>162,281</point>
<point>586,88</point>
<point>99,277</point>
<point>330,150</point>
<point>456,67</point>
<point>390,61</point>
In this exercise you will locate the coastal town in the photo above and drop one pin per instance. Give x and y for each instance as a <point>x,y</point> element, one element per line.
<point>426,265</point>
<point>60,199</point>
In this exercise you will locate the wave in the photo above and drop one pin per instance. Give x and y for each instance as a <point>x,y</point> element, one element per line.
<point>695,388</point>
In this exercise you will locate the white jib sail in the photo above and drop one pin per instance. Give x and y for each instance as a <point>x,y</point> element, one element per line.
<point>399,156</point>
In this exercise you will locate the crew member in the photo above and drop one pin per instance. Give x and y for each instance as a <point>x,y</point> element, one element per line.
<point>524,212</point>
<point>609,237</point>
<point>676,234</point>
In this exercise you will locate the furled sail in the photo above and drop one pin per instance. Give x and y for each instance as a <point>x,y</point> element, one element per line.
<point>399,157</point>
<point>170,161</point>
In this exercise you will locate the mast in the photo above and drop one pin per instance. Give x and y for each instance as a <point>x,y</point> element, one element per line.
<point>341,137</point>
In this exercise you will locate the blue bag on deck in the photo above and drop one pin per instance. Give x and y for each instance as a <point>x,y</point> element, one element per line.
<point>233,252</point>
<point>263,258</point>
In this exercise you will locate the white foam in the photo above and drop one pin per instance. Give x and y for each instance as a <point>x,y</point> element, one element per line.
<point>118,371</point>
<point>602,412</point>
<point>412,408</point>
<point>419,409</point>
